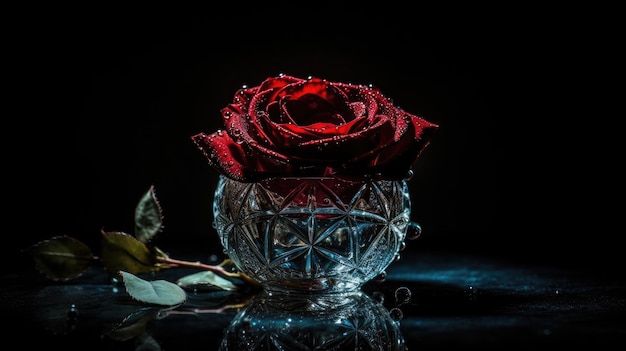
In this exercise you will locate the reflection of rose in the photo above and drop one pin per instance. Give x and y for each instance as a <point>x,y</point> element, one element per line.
<point>293,127</point>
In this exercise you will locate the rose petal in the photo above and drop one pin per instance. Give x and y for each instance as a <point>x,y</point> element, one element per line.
<point>217,148</point>
<point>356,145</point>
<point>311,109</point>
<point>396,159</point>
<point>323,130</point>
<point>274,83</point>
<point>289,126</point>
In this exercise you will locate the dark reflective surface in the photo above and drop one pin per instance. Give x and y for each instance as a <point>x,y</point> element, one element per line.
<point>353,321</point>
<point>427,302</point>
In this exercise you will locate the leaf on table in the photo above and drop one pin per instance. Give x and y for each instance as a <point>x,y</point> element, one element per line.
<point>158,292</point>
<point>61,258</point>
<point>123,252</point>
<point>148,216</point>
<point>205,280</point>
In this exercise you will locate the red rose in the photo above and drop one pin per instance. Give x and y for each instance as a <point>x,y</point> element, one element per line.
<point>293,127</point>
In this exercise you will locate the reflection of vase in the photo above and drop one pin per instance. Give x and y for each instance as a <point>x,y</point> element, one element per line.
<point>313,322</point>
<point>313,234</point>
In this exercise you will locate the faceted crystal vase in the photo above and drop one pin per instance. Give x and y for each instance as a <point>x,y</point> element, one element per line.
<point>312,234</point>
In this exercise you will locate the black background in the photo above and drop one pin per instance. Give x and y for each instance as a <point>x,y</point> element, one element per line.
<point>102,102</point>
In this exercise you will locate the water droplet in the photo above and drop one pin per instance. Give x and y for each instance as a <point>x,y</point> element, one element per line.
<point>396,314</point>
<point>381,277</point>
<point>472,293</point>
<point>413,231</point>
<point>409,175</point>
<point>72,313</point>
<point>402,295</point>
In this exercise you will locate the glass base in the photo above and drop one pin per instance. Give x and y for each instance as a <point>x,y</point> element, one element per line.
<point>323,285</point>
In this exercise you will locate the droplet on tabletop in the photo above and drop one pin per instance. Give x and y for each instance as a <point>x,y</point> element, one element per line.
<point>72,313</point>
<point>472,293</point>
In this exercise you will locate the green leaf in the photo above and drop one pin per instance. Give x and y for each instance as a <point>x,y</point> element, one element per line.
<point>205,280</point>
<point>148,216</point>
<point>158,292</point>
<point>61,258</point>
<point>123,252</point>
